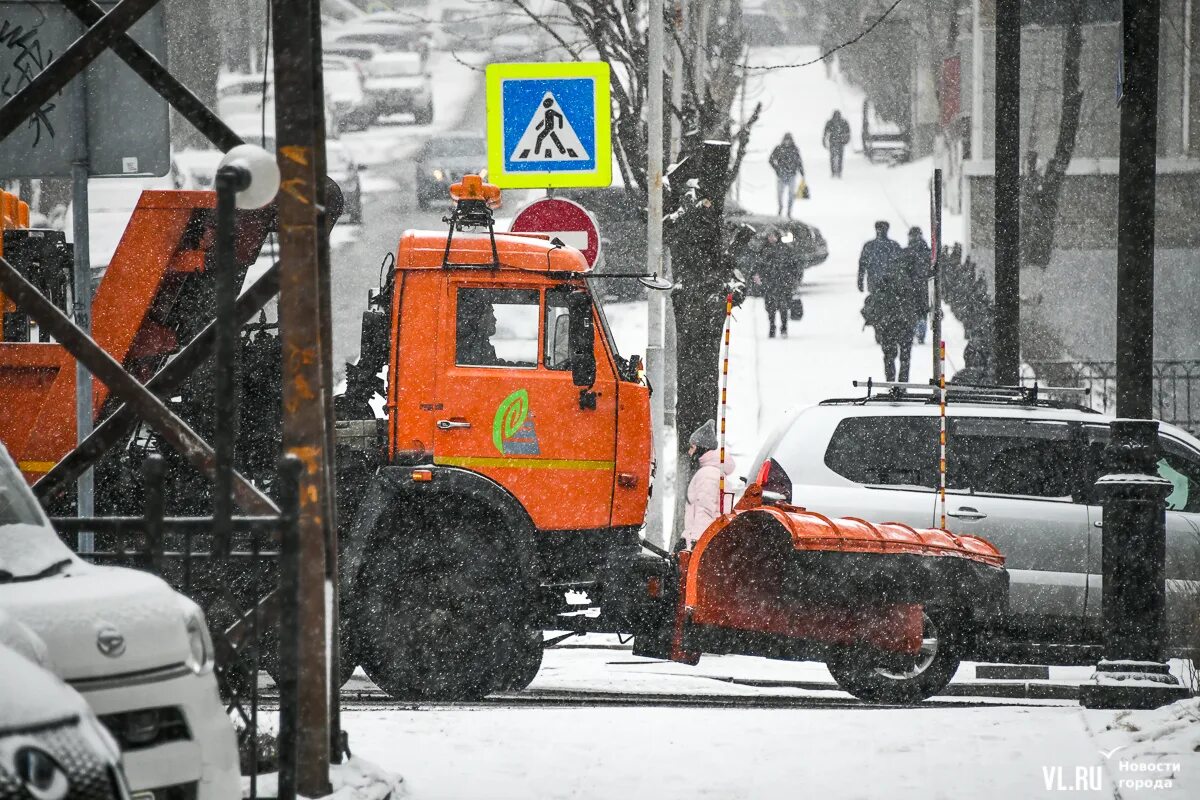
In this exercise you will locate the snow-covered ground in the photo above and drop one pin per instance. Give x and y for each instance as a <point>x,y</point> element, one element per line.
<point>738,727</point>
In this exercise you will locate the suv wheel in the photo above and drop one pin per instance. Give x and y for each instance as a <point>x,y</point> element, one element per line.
<point>930,672</point>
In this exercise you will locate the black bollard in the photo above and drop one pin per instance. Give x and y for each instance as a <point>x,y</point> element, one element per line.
<point>1132,673</point>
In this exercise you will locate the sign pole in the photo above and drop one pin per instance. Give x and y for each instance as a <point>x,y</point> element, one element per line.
<point>85,495</point>
<point>654,302</point>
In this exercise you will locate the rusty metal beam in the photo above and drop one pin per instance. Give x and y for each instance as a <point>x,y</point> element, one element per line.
<point>158,78</point>
<point>74,60</point>
<point>124,386</point>
<point>299,133</point>
<point>121,423</point>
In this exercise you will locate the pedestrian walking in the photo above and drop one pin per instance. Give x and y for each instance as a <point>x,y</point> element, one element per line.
<point>835,139</point>
<point>789,170</point>
<point>891,304</point>
<point>704,490</point>
<point>776,274</point>
<point>918,259</point>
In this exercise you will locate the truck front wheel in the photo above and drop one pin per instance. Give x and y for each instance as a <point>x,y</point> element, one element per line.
<point>441,614</point>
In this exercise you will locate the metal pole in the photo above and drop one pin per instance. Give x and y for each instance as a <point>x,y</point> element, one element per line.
<point>935,241</point>
<point>85,502</point>
<point>976,82</point>
<point>654,246</point>
<point>670,460</point>
<point>1135,211</point>
<point>324,222</point>
<point>290,590</point>
<point>229,181</point>
<point>1133,546</point>
<point>299,132</point>
<point>1008,192</point>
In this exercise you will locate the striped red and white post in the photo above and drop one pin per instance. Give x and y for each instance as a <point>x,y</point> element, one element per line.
<point>942,432</point>
<point>724,395</point>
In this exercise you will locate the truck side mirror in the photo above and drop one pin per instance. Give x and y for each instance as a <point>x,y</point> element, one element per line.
<point>583,339</point>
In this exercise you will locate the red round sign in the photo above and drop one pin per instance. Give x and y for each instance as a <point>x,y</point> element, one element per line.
<point>570,222</point>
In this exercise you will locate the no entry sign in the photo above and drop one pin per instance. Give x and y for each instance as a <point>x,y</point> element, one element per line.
<point>564,219</point>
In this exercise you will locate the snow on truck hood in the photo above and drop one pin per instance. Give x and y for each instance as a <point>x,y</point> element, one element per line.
<point>101,621</point>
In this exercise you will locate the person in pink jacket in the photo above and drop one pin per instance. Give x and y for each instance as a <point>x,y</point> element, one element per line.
<point>704,491</point>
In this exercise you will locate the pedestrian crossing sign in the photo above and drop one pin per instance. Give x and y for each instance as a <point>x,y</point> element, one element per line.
<point>549,125</point>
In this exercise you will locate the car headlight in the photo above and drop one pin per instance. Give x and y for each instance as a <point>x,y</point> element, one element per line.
<point>200,644</point>
<point>438,175</point>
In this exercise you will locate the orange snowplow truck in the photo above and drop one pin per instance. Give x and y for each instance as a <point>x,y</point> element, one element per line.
<point>516,464</point>
<point>504,493</point>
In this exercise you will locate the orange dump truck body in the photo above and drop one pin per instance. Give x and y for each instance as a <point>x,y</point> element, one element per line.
<point>165,242</point>
<point>520,423</point>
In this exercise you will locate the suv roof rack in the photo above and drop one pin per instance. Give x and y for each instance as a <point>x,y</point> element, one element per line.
<point>1035,395</point>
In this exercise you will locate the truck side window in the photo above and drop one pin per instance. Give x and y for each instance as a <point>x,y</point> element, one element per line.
<point>497,328</point>
<point>557,352</point>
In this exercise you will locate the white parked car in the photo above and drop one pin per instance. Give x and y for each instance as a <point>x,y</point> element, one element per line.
<point>344,92</point>
<point>398,83</point>
<point>51,744</point>
<point>138,652</point>
<point>1020,474</point>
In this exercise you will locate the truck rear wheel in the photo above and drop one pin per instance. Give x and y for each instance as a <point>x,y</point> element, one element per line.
<point>441,615</point>
<point>928,675</point>
<point>524,667</point>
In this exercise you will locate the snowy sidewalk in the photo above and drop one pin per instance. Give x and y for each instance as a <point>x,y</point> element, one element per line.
<point>829,348</point>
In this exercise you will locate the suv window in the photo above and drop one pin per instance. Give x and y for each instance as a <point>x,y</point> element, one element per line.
<point>887,451</point>
<point>1177,463</point>
<point>1025,458</point>
<point>497,328</point>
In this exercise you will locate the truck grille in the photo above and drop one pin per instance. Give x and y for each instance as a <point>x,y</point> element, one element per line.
<point>147,727</point>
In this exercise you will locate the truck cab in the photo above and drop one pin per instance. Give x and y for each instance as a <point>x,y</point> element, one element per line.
<point>517,460</point>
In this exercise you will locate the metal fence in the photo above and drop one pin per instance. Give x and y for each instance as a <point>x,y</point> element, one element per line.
<point>228,585</point>
<point>1176,387</point>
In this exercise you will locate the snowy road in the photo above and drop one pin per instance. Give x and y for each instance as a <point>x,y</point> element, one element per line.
<point>601,723</point>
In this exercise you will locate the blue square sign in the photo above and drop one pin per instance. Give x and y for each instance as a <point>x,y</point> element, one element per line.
<point>548,125</point>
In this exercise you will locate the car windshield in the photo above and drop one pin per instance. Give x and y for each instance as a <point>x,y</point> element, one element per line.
<point>29,548</point>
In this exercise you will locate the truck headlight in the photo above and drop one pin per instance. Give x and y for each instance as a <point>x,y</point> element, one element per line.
<point>438,175</point>
<point>199,642</point>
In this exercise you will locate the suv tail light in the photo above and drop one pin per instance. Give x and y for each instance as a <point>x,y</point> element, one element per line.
<point>775,483</point>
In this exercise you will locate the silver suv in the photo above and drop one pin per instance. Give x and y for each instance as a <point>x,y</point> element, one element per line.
<point>1020,474</point>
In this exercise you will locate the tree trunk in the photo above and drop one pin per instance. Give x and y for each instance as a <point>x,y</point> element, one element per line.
<point>1041,203</point>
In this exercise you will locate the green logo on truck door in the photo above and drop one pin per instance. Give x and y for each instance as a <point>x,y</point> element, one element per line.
<point>512,429</point>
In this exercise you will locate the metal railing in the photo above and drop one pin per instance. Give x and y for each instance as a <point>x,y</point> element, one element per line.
<point>1176,387</point>
<point>187,552</point>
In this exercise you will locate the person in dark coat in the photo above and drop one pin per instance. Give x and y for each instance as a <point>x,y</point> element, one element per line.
<point>835,139</point>
<point>879,255</point>
<point>785,160</point>
<point>891,304</point>
<point>918,258</point>
<point>777,275</point>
